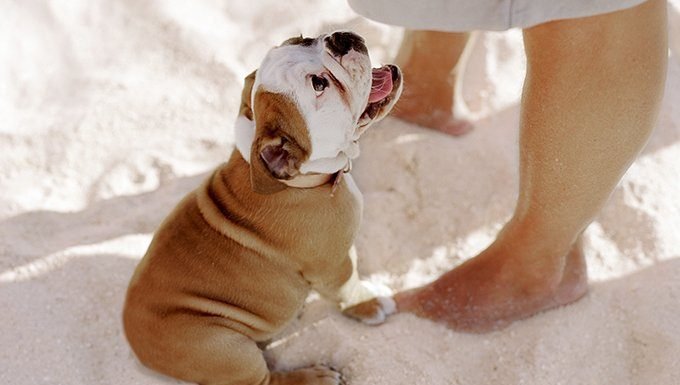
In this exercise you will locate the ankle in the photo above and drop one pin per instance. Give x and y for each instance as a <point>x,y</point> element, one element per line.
<point>541,258</point>
<point>539,236</point>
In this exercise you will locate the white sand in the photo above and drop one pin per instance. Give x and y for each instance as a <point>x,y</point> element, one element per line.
<point>110,111</point>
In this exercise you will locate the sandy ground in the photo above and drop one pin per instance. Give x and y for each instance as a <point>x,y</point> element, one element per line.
<point>111,111</point>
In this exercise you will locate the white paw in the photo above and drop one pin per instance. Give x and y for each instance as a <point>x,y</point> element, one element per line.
<point>376,289</point>
<point>356,291</point>
<point>372,312</point>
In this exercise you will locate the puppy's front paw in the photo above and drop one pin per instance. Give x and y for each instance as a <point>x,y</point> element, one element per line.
<point>373,311</point>
<point>356,291</point>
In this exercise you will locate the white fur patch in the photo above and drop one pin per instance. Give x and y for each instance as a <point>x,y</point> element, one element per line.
<point>325,165</point>
<point>387,307</point>
<point>356,193</point>
<point>355,290</point>
<point>331,116</point>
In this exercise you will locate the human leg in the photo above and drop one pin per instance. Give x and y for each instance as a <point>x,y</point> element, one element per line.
<point>591,96</point>
<point>432,64</point>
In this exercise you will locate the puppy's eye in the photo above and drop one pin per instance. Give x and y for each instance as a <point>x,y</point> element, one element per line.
<point>319,84</point>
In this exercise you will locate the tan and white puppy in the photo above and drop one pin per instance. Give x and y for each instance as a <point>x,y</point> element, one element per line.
<point>233,263</point>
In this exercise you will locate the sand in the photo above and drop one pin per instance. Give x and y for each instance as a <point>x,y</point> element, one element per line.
<point>111,111</point>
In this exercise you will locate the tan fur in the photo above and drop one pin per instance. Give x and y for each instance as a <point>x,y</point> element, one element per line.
<point>246,109</point>
<point>277,119</point>
<point>232,264</point>
<point>229,267</point>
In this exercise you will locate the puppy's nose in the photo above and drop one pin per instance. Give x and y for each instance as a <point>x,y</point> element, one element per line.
<point>340,43</point>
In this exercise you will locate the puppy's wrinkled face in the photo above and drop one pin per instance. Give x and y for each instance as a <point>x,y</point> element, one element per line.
<point>314,98</point>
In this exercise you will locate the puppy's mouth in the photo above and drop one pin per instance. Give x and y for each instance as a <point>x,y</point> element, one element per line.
<point>385,89</point>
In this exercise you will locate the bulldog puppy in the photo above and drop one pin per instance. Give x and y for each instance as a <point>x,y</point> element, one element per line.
<point>233,263</point>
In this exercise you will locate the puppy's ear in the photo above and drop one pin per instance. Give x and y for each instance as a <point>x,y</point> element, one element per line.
<point>271,160</point>
<point>246,109</point>
<point>281,142</point>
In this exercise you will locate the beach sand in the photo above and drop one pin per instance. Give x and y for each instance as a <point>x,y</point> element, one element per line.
<point>111,111</point>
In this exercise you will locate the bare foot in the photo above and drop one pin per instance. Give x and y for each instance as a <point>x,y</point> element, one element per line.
<point>430,104</point>
<point>496,288</point>
<point>431,62</point>
<point>439,120</point>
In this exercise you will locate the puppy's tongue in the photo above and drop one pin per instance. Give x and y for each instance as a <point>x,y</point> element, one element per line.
<point>382,84</point>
